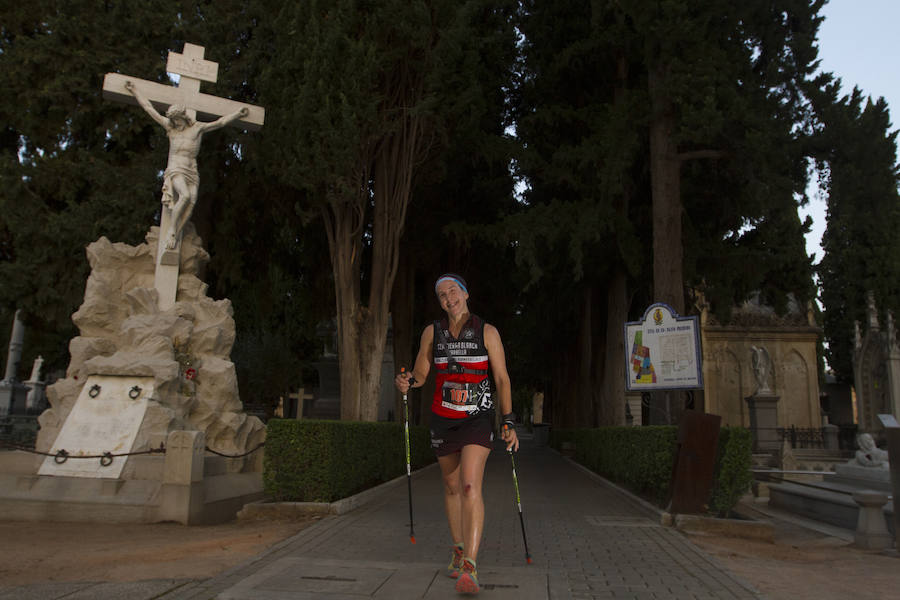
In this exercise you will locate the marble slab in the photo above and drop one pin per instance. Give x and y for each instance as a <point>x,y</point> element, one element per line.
<point>106,418</point>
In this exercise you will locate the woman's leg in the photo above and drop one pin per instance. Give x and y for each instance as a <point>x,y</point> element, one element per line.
<point>471,474</point>
<point>452,499</point>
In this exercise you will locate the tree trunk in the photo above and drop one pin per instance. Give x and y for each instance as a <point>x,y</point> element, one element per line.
<point>343,226</point>
<point>402,303</point>
<point>665,182</point>
<point>614,371</point>
<point>585,390</point>
<point>393,175</point>
<point>614,367</point>
<point>371,357</point>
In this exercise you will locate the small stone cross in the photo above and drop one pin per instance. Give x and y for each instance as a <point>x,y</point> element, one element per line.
<point>300,396</point>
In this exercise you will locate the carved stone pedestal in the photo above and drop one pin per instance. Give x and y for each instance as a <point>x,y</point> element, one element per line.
<point>764,421</point>
<point>871,529</point>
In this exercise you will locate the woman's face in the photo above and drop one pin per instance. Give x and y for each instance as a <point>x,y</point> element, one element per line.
<point>452,298</point>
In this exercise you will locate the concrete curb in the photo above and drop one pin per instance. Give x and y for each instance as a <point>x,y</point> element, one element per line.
<point>691,524</point>
<point>762,531</point>
<point>266,509</point>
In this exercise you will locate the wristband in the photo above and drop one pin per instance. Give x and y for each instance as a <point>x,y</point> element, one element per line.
<point>509,421</point>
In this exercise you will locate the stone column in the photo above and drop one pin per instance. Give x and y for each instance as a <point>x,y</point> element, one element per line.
<point>182,488</point>
<point>10,388</point>
<point>893,443</point>
<point>893,368</point>
<point>831,433</point>
<point>35,401</point>
<point>15,347</point>
<point>764,421</point>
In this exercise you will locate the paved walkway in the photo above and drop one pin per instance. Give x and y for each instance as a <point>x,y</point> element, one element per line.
<point>587,539</point>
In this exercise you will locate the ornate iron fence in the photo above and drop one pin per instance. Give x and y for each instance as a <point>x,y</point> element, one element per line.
<point>19,429</point>
<point>811,438</point>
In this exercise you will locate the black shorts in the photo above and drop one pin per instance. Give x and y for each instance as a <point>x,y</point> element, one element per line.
<point>448,436</point>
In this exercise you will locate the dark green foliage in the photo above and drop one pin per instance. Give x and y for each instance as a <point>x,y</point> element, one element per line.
<point>583,113</point>
<point>856,152</point>
<point>324,461</point>
<point>73,167</point>
<point>641,459</point>
<point>732,477</point>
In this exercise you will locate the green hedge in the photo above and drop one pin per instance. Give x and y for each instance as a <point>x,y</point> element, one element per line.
<point>324,461</point>
<point>641,459</point>
<point>733,477</point>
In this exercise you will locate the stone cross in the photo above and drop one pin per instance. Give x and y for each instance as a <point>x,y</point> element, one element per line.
<point>300,396</point>
<point>178,110</point>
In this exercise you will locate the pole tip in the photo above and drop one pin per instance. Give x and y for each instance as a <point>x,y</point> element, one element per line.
<point>528,559</point>
<point>412,539</point>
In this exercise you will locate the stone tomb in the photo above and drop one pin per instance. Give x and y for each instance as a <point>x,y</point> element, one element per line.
<point>836,499</point>
<point>180,358</point>
<point>151,363</point>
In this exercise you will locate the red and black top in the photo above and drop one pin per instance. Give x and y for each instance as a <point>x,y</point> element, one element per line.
<point>462,386</point>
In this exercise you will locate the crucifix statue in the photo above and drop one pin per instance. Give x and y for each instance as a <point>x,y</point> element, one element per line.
<point>179,110</point>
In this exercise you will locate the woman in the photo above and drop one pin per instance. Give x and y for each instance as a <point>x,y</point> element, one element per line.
<point>465,351</point>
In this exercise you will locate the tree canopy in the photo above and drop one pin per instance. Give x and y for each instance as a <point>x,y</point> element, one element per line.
<point>857,155</point>
<point>660,148</point>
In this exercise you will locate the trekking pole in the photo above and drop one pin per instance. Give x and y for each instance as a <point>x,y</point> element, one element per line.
<point>519,504</point>
<point>412,535</point>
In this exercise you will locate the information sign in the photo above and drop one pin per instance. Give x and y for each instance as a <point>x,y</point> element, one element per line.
<point>662,351</point>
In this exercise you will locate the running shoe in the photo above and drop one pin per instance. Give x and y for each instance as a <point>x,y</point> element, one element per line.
<point>468,578</point>
<point>456,561</point>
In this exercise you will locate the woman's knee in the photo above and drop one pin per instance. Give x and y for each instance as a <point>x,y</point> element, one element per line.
<point>471,489</point>
<point>452,486</point>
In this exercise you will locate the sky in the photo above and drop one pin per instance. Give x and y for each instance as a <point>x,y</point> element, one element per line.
<point>857,43</point>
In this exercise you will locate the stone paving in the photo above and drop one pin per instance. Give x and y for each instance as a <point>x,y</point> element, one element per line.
<point>587,540</point>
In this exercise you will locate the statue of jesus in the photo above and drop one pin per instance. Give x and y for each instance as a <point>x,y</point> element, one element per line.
<point>181,179</point>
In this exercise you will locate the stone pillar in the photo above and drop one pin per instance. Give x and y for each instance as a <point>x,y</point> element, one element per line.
<point>10,388</point>
<point>831,433</point>
<point>537,407</point>
<point>15,348</point>
<point>182,488</point>
<point>871,529</point>
<point>35,402</point>
<point>893,442</point>
<point>764,421</point>
<point>892,358</point>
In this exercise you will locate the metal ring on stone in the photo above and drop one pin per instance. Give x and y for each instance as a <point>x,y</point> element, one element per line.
<point>106,459</point>
<point>94,391</point>
<point>61,457</point>
<point>134,392</point>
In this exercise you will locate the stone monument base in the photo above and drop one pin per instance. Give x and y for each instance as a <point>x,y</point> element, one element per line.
<point>764,421</point>
<point>187,486</point>
<point>830,501</point>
